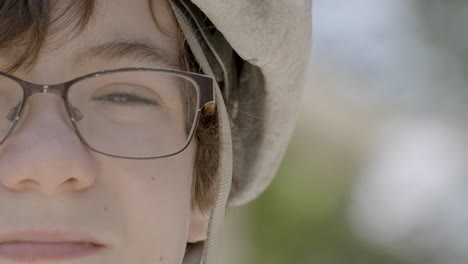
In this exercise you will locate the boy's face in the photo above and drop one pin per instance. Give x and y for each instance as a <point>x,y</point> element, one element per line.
<point>140,209</point>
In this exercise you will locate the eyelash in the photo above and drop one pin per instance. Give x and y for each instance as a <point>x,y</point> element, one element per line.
<point>131,98</point>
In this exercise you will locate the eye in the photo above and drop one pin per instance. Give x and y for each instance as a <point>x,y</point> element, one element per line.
<point>125,98</point>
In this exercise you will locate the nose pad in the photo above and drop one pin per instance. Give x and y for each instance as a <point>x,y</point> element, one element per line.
<point>13,113</point>
<point>76,113</point>
<point>11,116</point>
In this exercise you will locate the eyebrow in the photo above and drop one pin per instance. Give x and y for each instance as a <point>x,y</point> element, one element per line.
<point>140,51</point>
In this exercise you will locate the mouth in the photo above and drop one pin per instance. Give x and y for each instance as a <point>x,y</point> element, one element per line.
<point>42,245</point>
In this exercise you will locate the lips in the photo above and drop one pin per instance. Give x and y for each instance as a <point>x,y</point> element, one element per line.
<point>35,245</point>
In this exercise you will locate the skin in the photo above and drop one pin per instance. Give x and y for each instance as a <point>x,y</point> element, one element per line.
<point>48,179</point>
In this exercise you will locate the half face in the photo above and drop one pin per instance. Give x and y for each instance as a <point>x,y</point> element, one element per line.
<point>55,193</point>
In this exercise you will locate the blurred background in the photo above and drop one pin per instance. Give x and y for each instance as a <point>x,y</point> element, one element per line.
<point>376,170</point>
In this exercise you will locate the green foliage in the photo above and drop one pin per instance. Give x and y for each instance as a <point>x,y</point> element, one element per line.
<point>301,217</point>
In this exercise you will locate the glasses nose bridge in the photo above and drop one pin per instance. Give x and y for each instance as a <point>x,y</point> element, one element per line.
<point>57,89</point>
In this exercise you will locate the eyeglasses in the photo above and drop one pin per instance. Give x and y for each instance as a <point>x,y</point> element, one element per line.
<point>135,113</point>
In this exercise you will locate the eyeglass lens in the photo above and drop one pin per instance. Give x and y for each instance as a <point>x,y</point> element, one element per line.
<point>132,114</point>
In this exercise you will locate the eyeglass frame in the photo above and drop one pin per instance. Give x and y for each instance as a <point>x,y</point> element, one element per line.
<point>204,86</point>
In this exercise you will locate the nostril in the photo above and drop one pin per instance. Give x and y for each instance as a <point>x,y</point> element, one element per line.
<point>71,180</point>
<point>24,184</point>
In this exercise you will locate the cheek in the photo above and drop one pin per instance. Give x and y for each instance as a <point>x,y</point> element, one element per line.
<point>153,198</point>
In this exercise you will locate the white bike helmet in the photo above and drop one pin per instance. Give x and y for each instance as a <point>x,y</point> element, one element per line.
<point>255,50</point>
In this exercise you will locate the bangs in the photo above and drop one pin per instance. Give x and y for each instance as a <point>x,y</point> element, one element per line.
<point>21,39</point>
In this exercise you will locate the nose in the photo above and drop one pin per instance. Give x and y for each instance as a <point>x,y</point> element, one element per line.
<point>43,153</point>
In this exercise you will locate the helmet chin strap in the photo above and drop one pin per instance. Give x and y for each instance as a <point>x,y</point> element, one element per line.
<point>210,246</point>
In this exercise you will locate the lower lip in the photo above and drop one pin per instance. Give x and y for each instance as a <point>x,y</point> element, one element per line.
<point>34,251</point>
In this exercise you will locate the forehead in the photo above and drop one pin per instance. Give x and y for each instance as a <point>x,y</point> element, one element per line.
<point>129,21</point>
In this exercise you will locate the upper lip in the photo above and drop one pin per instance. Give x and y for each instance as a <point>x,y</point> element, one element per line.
<point>50,236</point>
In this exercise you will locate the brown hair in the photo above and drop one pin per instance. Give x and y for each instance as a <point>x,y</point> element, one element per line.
<point>26,24</point>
